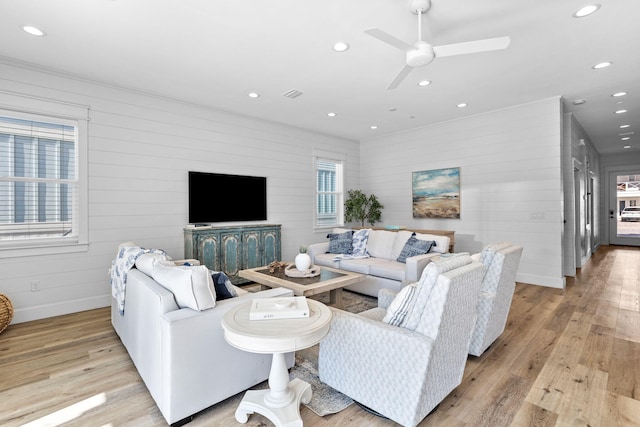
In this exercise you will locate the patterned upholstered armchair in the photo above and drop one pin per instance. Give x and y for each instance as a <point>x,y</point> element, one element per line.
<point>501,261</point>
<point>403,357</point>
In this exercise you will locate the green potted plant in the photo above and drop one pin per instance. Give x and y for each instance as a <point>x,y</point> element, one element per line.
<point>360,207</point>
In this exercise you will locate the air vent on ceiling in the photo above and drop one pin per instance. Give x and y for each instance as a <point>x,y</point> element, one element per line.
<point>292,93</point>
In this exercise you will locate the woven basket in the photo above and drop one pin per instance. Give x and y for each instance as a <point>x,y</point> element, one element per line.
<point>6,312</point>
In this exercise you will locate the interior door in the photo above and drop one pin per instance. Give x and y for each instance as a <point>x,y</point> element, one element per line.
<point>624,192</point>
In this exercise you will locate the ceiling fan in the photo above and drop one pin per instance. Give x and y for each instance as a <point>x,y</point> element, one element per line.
<point>422,53</point>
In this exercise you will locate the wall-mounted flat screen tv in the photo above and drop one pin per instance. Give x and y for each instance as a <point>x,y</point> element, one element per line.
<point>215,197</point>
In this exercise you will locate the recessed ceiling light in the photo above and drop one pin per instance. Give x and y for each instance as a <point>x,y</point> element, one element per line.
<point>624,126</point>
<point>602,65</point>
<point>254,95</point>
<point>341,46</point>
<point>331,114</point>
<point>462,105</point>
<point>620,111</point>
<point>374,127</point>
<point>626,147</point>
<point>586,10</point>
<point>34,31</point>
<point>424,83</point>
<point>579,101</point>
<point>617,94</point>
<point>626,138</point>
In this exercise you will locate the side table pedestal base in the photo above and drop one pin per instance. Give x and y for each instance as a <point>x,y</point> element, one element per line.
<point>288,416</point>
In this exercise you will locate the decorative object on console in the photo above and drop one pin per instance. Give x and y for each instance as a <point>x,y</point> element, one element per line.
<point>303,260</point>
<point>436,193</point>
<point>361,207</point>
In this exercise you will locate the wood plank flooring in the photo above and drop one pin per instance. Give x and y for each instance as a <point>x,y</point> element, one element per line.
<point>566,358</point>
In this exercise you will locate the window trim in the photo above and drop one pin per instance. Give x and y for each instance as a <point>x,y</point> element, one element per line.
<point>18,105</point>
<point>334,157</point>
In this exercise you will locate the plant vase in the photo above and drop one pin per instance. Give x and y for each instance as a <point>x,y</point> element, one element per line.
<point>303,261</point>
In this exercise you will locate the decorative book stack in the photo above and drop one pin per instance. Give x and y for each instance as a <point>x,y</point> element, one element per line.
<point>279,308</point>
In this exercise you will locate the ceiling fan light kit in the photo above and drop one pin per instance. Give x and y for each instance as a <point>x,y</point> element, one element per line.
<point>423,53</point>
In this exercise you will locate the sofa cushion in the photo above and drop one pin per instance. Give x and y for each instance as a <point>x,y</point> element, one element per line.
<point>442,242</point>
<point>360,265</point>
<point>340,243</point>
<point>192,286</point>
<point>388,269</point>
<point>398,243</point>
<point>148,261</point>
<point>380,243</point>
<point>326,260</point>
<point>414,247</point>
<point>399,307</point>
<point>359,242</point>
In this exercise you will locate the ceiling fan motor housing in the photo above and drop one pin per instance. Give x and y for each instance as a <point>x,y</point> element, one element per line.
<point>420,56</point>
<point>416,6</point>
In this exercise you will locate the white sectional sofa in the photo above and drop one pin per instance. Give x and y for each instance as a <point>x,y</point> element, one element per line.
<point>378,259</point>
<point>180,352</point>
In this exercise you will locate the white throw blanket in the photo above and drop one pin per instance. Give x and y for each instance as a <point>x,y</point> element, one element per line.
<point>120,266</point>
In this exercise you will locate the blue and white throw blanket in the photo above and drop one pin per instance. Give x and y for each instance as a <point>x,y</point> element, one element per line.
<point>120,266</point>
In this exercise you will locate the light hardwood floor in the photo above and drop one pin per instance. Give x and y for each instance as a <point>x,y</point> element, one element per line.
<point>566,358</point>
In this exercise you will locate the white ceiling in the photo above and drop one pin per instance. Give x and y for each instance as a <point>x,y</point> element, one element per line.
<point>214,53</point>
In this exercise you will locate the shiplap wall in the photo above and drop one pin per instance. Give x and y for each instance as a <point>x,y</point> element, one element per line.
<point>511,172</point>
<point>140,148</point>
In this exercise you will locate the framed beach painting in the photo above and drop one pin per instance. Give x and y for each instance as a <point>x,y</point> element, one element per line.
<point>436,193</point>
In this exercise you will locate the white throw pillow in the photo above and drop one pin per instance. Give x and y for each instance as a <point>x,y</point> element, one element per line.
<point>400,306</point>
<point>149,261</point>
<point>380,243</point>
<point>442,242</point>
<point>192,286</point>
<point>399,242</point>
<point>359,242</point>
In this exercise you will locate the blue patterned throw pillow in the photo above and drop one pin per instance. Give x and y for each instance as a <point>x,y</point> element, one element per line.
<point>415,247</point>
<point>340,243</point>
<point>359,245</point>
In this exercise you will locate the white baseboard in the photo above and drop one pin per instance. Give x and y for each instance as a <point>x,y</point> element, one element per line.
<point>57,309</point>
<point>549,282</point>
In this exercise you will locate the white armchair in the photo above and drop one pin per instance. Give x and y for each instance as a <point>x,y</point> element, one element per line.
<point>403,372</point>
<point>501,261</point>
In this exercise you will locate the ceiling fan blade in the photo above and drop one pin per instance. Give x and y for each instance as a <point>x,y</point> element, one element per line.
<point>485,45</point>
<point>404,72</point>
<point>388,38</point>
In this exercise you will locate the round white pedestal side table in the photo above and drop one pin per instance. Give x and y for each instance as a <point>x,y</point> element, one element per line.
<point>281,402</point>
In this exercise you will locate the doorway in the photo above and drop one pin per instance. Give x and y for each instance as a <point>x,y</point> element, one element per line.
<point>624,199</point>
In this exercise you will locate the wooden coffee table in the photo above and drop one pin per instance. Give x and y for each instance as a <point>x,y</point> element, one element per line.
<point>330,280</point>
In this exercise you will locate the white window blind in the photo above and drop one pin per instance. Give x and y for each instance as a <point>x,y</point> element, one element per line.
<point>38,179</point>
<point>329,192</point>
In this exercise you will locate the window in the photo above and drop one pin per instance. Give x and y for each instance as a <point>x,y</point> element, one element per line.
<point>42,200</point>
<point>329,191</point>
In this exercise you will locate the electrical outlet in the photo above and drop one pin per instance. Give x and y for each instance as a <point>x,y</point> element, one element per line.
<point>35,286</point>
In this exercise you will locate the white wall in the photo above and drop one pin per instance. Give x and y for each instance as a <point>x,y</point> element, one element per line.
<point>511,176</point>
<point>140,149</point>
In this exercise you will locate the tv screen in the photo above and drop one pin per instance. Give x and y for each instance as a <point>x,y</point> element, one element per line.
<point>215,197</point>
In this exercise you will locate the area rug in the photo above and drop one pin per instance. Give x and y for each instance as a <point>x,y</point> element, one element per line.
<point>324,400</point>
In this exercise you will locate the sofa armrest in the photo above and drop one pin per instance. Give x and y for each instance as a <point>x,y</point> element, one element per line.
<point>385,297</point>
<point>317,249</point>
<point>416,264</point>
